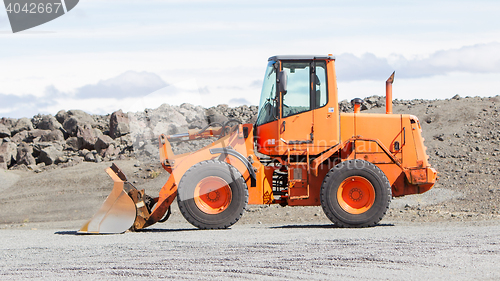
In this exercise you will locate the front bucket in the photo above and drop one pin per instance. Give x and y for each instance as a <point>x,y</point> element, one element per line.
<point>118,212</point>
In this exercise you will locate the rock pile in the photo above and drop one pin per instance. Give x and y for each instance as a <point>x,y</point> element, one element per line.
<point>74,136</point>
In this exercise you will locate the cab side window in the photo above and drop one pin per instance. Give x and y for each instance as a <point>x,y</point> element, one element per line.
<point>319,85</point>
<point>306,89</point>
<point>297,98</point>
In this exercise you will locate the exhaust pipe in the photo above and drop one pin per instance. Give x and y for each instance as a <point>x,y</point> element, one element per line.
<point>388,94</point>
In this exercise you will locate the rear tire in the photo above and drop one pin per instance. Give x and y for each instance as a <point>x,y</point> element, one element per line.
<point>212,195</point>
<point>355,193</point>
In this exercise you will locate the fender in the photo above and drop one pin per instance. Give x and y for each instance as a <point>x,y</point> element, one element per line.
<point>239,156</point>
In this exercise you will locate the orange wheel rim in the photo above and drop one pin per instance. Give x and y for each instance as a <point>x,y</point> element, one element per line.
<point>356,195</point>
<point>212,195</point>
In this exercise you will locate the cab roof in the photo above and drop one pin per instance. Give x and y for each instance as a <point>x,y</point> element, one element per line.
<point>301,57</point>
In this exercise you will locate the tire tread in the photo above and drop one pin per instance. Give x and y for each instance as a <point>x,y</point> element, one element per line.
<point>386,201</point>
<point>185,212</point>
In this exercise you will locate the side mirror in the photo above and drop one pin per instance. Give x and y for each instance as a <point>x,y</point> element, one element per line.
<point>282,82</point>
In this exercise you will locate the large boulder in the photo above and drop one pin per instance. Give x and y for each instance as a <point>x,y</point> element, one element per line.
<point>20,137</point>
<point>151,123</point>
<point>50,155</point>
<point>101,122</point>
<point>103,142</point>
<point>72,144</point>
<point>23,124</point>
<point>8,122</point>
<point>75,119</point>
<point>8,153</point>
<point>87,136</point>
<point>166,119</point>
<point>118,124</point>
<point>194,115</point>
<point>25,155</point>
<point>214,115</point>
<point>4,131</point>
<point>53,136</point>
<point>48,122</point>
<point>61,116</point>
<point>11,152</point>
<point>36,134</point>
<point>106,146</point>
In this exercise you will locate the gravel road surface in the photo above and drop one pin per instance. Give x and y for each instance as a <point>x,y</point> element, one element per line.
<point>392,251</point>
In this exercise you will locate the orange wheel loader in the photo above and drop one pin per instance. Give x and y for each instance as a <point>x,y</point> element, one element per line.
<point>300,152</point>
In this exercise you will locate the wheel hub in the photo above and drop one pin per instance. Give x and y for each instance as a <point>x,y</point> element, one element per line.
<point>212,195</point>
<point>356,195</point>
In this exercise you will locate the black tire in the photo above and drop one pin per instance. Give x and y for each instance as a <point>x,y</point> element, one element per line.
<point>338,210</point>
<point>234,205</point>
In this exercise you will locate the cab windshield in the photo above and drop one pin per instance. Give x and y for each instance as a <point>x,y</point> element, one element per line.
<point>267,104</point>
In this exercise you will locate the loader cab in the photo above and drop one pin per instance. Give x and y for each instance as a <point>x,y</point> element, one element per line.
<point>298,106</point>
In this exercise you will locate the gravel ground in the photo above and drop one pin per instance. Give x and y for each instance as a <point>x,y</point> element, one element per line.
<point>391,251</point>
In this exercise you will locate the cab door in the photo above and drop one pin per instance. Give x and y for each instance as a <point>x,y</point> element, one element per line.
<point>296,119</point>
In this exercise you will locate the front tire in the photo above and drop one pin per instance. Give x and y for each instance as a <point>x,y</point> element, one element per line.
<point>355,193</point>
<point>212,195</point>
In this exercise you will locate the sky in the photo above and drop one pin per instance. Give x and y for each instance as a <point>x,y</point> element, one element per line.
<point>107,55</point>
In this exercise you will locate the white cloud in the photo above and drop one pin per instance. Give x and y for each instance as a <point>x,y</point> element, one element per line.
<point>238,102</point>
<point>54,100</point>
<point>366,67</point>
<point>436,87</point>
<point>128,90</point>
<point>23,106</point>
<point>256,84</point>
<point>480,58</point>
<point>128,84</point>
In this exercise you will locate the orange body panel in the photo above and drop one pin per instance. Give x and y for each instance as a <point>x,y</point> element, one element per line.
<point>401,136</point>
<point>268,138</point>
<point>314,191</point>
<point>295,128</point>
